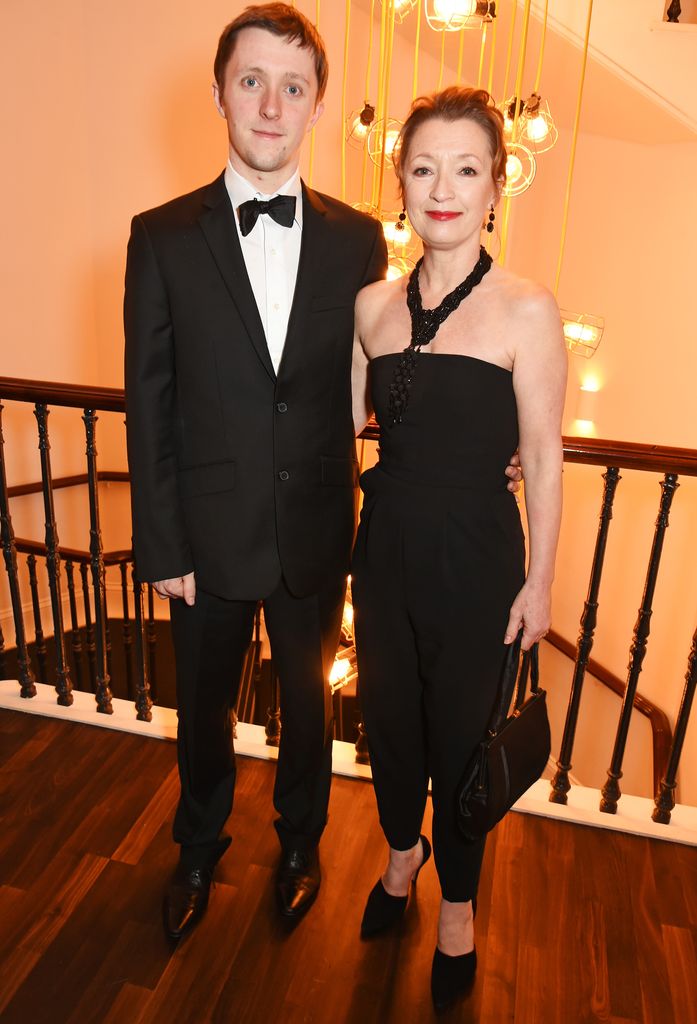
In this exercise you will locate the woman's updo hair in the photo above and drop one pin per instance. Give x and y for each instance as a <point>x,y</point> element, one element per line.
<point>454,104</point>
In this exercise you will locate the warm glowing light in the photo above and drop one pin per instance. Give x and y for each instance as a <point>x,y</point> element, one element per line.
<point>591,384</point>
<point>391,141</point>
<point>358,129</point>
<point>348,613</point>
<point>582,332</point>
<point>398,266</point>
<point>514,169</point>
<point>381,134</point>
<point>447,9</point>
<point>397,232</point>
<point>537,129</point>
<point>340,669</point>
<point>584,428</point>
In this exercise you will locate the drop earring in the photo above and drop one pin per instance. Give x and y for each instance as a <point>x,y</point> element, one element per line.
<point>492,218</point>
<point>399,226</point>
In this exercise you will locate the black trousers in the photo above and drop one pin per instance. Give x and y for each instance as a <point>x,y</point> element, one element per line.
<point>434,574</point>
<point>210,640</point>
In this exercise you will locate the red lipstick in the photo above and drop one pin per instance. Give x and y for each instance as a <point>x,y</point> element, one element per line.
<point>442,214</point>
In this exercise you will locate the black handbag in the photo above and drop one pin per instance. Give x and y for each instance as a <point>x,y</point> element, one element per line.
<point>514,752</point>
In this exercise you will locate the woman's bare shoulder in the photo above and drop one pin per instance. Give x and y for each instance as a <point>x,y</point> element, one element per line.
<point>372,300</point>
<point>525,297</point>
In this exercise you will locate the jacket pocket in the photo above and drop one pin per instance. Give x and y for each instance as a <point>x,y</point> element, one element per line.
<point>338,472</point>
<point>211,478</point>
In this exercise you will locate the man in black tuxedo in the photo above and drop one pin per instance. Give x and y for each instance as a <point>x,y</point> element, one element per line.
<point>239,326</point>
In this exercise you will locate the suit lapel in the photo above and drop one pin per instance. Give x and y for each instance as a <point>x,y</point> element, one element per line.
<point>316,236</point>
<point>218,225</point>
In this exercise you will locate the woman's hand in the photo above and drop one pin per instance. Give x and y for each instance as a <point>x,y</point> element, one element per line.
<point>532,610</point>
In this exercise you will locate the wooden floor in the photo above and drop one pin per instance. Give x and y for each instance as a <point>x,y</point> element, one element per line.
<point>574,924</point>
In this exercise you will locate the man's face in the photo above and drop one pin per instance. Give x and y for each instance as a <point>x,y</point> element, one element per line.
<point>269,101</point>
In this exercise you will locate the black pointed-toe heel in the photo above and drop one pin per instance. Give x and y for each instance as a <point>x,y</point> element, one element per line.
<point>382,911</point>
<point>451,977</point>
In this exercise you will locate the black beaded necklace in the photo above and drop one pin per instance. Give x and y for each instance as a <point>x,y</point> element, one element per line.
<point>424,325</point>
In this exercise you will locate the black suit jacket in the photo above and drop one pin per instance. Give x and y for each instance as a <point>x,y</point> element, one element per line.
<point>236,473</point>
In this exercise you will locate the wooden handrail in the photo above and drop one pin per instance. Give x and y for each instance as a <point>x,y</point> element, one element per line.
<point>661,732</point>
<point>37,547</point>
<point>76,480</point>
<point>77,396</point>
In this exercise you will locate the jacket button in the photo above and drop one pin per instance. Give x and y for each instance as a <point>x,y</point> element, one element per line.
<point>284,475</point>
<point>282,407</point>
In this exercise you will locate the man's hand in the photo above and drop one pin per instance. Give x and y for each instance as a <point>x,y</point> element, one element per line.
<point>514,473</point>
<point>181,586</point>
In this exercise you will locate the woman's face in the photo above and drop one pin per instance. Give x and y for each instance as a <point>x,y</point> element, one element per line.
<point>447,180</point>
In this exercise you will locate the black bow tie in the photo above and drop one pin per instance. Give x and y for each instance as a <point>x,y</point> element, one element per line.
<point>281,208</point>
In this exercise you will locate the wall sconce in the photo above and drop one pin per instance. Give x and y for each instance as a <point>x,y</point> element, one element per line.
<point>398,266</point>
<point>375,139</point>
<point>586,406</point>
<point>582,332</point>
<point>521,168</point>
<point>455,15</point>
<point>358,125</point>
<point>402,9</point>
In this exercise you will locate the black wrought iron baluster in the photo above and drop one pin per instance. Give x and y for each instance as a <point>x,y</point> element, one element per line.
<point>611,790</point>
<point>39,638</point>
<point>665,797</point>
<point>674,11</point>
<point>152,640</point>
<point>143,699</point>
<point>9,551</point>
<point>102,689</point>
<point>63,683</point>
<point>584,646</point>
<point>90,646</point>
<point>273,722</point>
<point>3,672</point>
<point>127,635</point>
<point>75,637</point>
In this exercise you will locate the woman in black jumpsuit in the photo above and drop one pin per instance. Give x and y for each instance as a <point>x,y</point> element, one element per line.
<point>438,576</point>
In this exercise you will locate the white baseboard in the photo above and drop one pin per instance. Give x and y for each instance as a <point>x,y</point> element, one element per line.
<point>633,817</point>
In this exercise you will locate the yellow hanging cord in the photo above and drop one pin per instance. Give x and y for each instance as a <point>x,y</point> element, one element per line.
<point>481,58</point>
<point>490,83</point>
<point>386,100</point>
<point>343,102</point>
<point>442,60</point>
<point>368,69</point>
<point>379,111</point>
<point>574,138</point>
<point>460,55</point>
<point>311,168</point>
<point>414,88</point>
<point>518,88</point>
<point>538,76</point>
<point>511,33</point>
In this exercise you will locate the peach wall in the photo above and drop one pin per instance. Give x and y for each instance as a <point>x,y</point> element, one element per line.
<point>114,115</point>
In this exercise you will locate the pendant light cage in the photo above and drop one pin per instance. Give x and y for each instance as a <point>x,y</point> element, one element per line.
<point>379,133</point>
<point>398,266</point>
<point>536,127</point>
<point>401,239</point>
<point>521,168</point>
<point>458,15</point>
<point>358,125</point>
<point>582,332</point>
<point>401,9</point>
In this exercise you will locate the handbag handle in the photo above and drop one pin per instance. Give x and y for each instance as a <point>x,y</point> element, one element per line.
<point>507,682</point>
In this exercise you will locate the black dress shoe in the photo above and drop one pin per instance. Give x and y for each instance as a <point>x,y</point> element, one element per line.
<point>382,910</point>
<point>451,977</point>
<point>297,881</point>
<point>186,899</point>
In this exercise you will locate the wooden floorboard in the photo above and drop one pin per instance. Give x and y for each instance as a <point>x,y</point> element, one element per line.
<point>574,924</point>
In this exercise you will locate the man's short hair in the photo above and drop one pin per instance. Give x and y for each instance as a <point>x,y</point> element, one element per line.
<point>281,20</point>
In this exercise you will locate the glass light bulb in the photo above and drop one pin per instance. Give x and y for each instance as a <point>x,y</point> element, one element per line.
<point>581,332</point>
<point>394,271</point>
<point>339,671</point>
<point>391,141</point>
<point>399,236</point>
<point>537,129</point>
<point>447,9</point>
<point>358,129</point>
<point>514,168</point>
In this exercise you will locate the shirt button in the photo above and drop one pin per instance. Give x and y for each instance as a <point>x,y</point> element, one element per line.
<point>275,306</point>
<point>284,475</point>
<point>282,407</point>
<point>273,252</point>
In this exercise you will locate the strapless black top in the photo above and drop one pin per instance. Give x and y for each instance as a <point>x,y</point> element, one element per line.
<point>460,427</point>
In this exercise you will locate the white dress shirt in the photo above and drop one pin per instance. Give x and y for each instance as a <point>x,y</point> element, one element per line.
<point>271,254</point>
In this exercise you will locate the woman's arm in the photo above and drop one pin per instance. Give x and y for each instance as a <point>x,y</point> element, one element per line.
<point>539,381</point>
